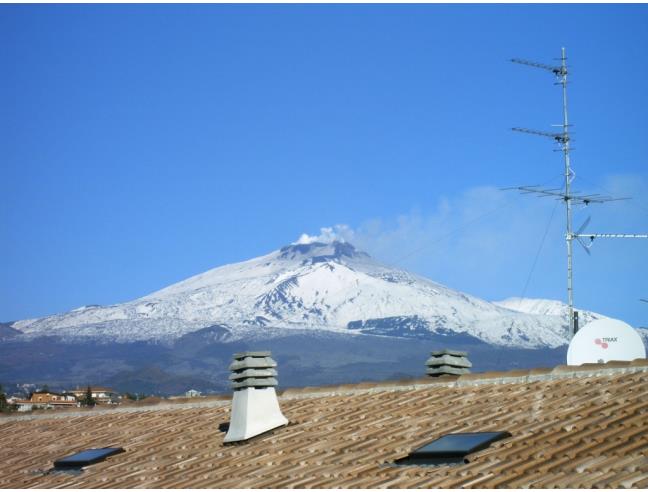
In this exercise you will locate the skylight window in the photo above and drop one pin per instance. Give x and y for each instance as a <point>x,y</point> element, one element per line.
<point>452,448</point>
<point>86,457</point>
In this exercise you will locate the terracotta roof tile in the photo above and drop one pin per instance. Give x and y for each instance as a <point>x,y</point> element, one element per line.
<point>571,427</point>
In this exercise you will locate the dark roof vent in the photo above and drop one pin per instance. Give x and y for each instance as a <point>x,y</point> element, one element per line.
<point>452,448</point>
<point>446,361</point>
<point>86,457</point>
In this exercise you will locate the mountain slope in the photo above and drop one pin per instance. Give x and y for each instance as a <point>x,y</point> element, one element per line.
<point>315,286</point>
<point>546,307</point>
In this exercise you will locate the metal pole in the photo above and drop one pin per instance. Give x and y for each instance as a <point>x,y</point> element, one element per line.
<point>569,235</point>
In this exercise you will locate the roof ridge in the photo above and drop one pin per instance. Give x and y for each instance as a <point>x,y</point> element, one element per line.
<point>472,379</point>
<point>160,407</point>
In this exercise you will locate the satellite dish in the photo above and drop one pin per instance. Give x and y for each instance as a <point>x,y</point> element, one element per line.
<point>604,340</point>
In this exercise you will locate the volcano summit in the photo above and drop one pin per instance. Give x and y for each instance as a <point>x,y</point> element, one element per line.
<point>312,286</point>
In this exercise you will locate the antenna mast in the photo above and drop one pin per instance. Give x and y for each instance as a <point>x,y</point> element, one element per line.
<point>568,200</point>
<point>565,194</point>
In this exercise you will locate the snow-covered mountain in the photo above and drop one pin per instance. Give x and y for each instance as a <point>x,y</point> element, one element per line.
<point>316,286</point>
<point>546,307</point>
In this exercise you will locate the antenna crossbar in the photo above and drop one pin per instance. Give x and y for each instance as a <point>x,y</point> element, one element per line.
<point>556,70</point>
<point>559,193</point>
<point>561,138</point>
<point>624,236</point>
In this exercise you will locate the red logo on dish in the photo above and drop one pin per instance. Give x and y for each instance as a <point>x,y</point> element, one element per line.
<point>601,343</point>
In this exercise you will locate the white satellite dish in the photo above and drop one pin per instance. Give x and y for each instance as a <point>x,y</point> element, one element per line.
<point>604,340</point>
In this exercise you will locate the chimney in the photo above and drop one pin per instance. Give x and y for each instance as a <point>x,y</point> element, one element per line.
<point>446,361</point>
<point>255,408</point>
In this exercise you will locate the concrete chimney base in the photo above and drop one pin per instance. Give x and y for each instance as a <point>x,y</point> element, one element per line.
<point>254,411</point>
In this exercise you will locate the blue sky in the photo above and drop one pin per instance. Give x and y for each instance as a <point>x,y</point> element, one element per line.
<point>143,144</point>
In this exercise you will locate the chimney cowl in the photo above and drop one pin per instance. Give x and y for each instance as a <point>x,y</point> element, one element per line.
<point>253,370</point>
<point>252,361</point>
<point>456,353</point>
<point>447,361</point>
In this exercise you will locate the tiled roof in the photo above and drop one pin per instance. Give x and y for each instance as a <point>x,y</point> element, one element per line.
<point>571,427</point>
<point>93,389</point>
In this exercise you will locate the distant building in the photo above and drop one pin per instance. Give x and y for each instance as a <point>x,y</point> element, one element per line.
<point>23,406</point>
<point>13,400</point>
<point>103,396</point>
<point>46,399</point>
<point>192,393</point>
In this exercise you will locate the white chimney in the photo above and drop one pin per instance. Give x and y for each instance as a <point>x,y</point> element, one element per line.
<point>255,408</point>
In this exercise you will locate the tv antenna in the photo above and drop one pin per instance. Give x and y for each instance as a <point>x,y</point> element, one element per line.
<point>565,193</point>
